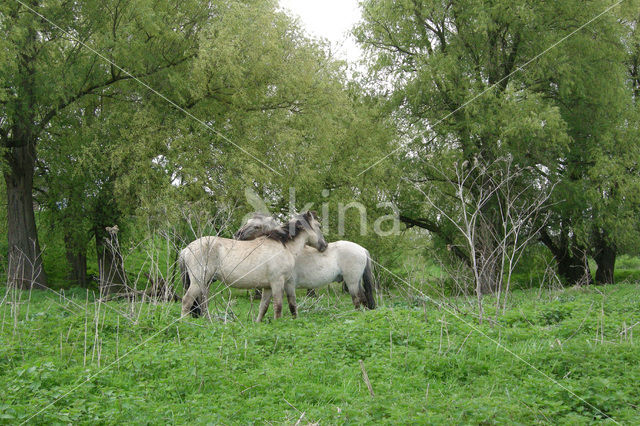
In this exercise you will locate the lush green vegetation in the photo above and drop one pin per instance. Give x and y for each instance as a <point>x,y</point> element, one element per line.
<point>483,111</point>
<point>500,140</point>
<point>425,364</point>
<point>190,106</point>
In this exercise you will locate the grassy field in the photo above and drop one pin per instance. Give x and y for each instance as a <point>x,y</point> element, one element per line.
<point>73,359</point>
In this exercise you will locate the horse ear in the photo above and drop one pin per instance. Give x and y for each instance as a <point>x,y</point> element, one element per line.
<point>314,214</point>
<point>308,216</point>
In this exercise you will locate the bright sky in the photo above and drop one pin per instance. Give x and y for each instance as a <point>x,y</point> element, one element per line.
<point>331,19</point>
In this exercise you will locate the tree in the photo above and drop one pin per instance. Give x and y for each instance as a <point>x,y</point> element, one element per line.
<point>596,209</point>
<point>260,88</point>
<point>95,166</point>
<point>476,81</point>
<point>461,101</point>
<point>46,69</point>
<point>286,101</point>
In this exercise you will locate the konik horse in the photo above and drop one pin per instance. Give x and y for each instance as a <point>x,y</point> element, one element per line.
<point>266,262</point>
<point>341,261</point>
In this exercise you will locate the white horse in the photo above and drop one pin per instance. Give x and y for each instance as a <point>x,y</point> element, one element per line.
<point>341,261</point>
<point>266,262</point>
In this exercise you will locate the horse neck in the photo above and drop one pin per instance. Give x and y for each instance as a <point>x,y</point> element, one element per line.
<point>296,245</point>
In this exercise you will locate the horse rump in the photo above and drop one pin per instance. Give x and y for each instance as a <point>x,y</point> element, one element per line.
<point>186,282</point>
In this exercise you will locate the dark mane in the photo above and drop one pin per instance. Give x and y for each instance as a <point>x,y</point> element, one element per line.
<point>290,230</point>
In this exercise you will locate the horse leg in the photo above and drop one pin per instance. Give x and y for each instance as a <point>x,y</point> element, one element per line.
<point>193,293</point>
<point>277,289</point>
<point>196,310</point>
<point>204,304</point>
<point>290,289</point>
<point>357,294</point>
<point>264,303</point>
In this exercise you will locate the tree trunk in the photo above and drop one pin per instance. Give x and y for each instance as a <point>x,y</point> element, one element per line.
<point>487,250</point>
<point>25,267</point>
<point>605,258</point>
<point>77,260</point>
<point>572,268</point>
<point>105,217</point>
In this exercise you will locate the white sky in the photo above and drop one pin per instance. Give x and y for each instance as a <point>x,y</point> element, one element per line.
<point>330,19</point>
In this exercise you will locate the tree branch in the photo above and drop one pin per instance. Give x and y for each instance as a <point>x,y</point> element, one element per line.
<point>90,90</point>
<point>432,227</point>
<point>547,241</point>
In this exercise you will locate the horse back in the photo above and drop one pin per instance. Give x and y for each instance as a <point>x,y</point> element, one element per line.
<point>250,264</point>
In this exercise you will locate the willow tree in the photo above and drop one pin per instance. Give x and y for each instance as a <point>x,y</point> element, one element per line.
<point>478,81</point>
<point>596,204</point>
<point>453,67</point>
<point>46,68</point>
<point>282,97</point>
<point>96,165</point>
<point>260,105</point>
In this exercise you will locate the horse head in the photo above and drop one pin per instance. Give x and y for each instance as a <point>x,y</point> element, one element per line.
<point>261,224</point>
<point>310,223</point>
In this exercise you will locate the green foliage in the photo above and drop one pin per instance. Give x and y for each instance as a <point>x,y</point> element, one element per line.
<point>628,262</point>
<point>627,269</point>
<point>3,227</point>
<point>597,194</point>
<point>460,100</point>
<point>51,76</point>
<point>260,105</point>
<point>626,275</point>
<point>465,88</point>
<point>425,365</point>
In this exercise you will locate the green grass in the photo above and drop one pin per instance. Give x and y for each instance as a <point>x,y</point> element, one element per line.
<point>425,365</point>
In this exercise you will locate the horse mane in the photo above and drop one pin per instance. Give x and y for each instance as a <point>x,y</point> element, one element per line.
<point>258,225</point>
<point>264,225</point>
<point>288,231</point>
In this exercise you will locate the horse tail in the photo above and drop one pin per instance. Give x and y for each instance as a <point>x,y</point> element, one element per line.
<point>367,279</point>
